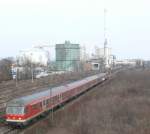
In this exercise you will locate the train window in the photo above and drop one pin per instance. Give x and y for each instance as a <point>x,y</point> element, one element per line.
<point>47,102</point>
<point>44,102</point>
<point>51,100</point>
<point>15,110</point>
<point>54,99</point>
<point>58,97</point>
<point>41,104</point>
<point>36,106</point>
<point>26,110</point>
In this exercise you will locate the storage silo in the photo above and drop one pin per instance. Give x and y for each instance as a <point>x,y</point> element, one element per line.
<point>35,56</point>
<point>67,56</point>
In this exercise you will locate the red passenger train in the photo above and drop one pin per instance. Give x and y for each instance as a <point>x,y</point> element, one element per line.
<point>24,109</point>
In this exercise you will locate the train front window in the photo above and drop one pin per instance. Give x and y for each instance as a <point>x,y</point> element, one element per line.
<point>15,110</point>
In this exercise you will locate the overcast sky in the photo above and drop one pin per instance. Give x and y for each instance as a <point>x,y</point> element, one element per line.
<point>24,22</point>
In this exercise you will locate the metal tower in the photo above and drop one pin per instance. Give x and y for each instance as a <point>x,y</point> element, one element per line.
<point>105,40</point>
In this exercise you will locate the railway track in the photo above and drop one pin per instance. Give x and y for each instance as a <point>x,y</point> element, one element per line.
<point>6,129</point>
<point>25,87</point>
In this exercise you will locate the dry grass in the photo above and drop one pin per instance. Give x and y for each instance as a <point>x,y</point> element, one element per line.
<point>120,107</point>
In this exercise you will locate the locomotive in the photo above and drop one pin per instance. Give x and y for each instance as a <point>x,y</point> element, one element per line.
<point>21,110</point>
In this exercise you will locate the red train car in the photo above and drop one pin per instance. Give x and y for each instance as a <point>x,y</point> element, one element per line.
<point>24,109</point>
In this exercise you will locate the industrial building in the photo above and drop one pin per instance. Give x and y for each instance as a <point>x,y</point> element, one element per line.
<point>67,56</point>
<point>31,62</point>
<point>102,59</point>
<point>34,55</point>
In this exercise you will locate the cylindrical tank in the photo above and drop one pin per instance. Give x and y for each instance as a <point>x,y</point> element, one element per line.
<point>35,55</point>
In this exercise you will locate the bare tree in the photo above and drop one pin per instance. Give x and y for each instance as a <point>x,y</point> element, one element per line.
<point>27,69</point>
<point>5,69</point>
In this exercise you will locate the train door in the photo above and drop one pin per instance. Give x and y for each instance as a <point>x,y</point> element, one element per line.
<point>44,104</point>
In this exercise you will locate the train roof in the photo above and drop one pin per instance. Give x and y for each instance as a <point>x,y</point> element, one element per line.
<point>51,91</point>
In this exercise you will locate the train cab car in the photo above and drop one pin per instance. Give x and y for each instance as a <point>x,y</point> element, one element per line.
<point>25,108</point>
<point>15,111</point>
<point>21,110</point>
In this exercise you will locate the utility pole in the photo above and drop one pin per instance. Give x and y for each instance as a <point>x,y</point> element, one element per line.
<point>105,38</point>
<point>51,102</point>
<point>17,72</point>
<point>17,76</point>
<point>32,68</point>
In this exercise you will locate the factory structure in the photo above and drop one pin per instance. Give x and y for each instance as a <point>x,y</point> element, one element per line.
<point>67,56</point>
<point>102,59</point>
<point>36,55</point>
<point>30,62</point>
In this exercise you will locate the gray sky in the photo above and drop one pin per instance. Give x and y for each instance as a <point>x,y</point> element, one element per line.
<point>24,22</point>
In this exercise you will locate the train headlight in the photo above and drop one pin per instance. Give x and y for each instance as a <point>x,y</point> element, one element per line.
<point>13,117</point>
<point>103,79</point>
<point>19,118</point>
